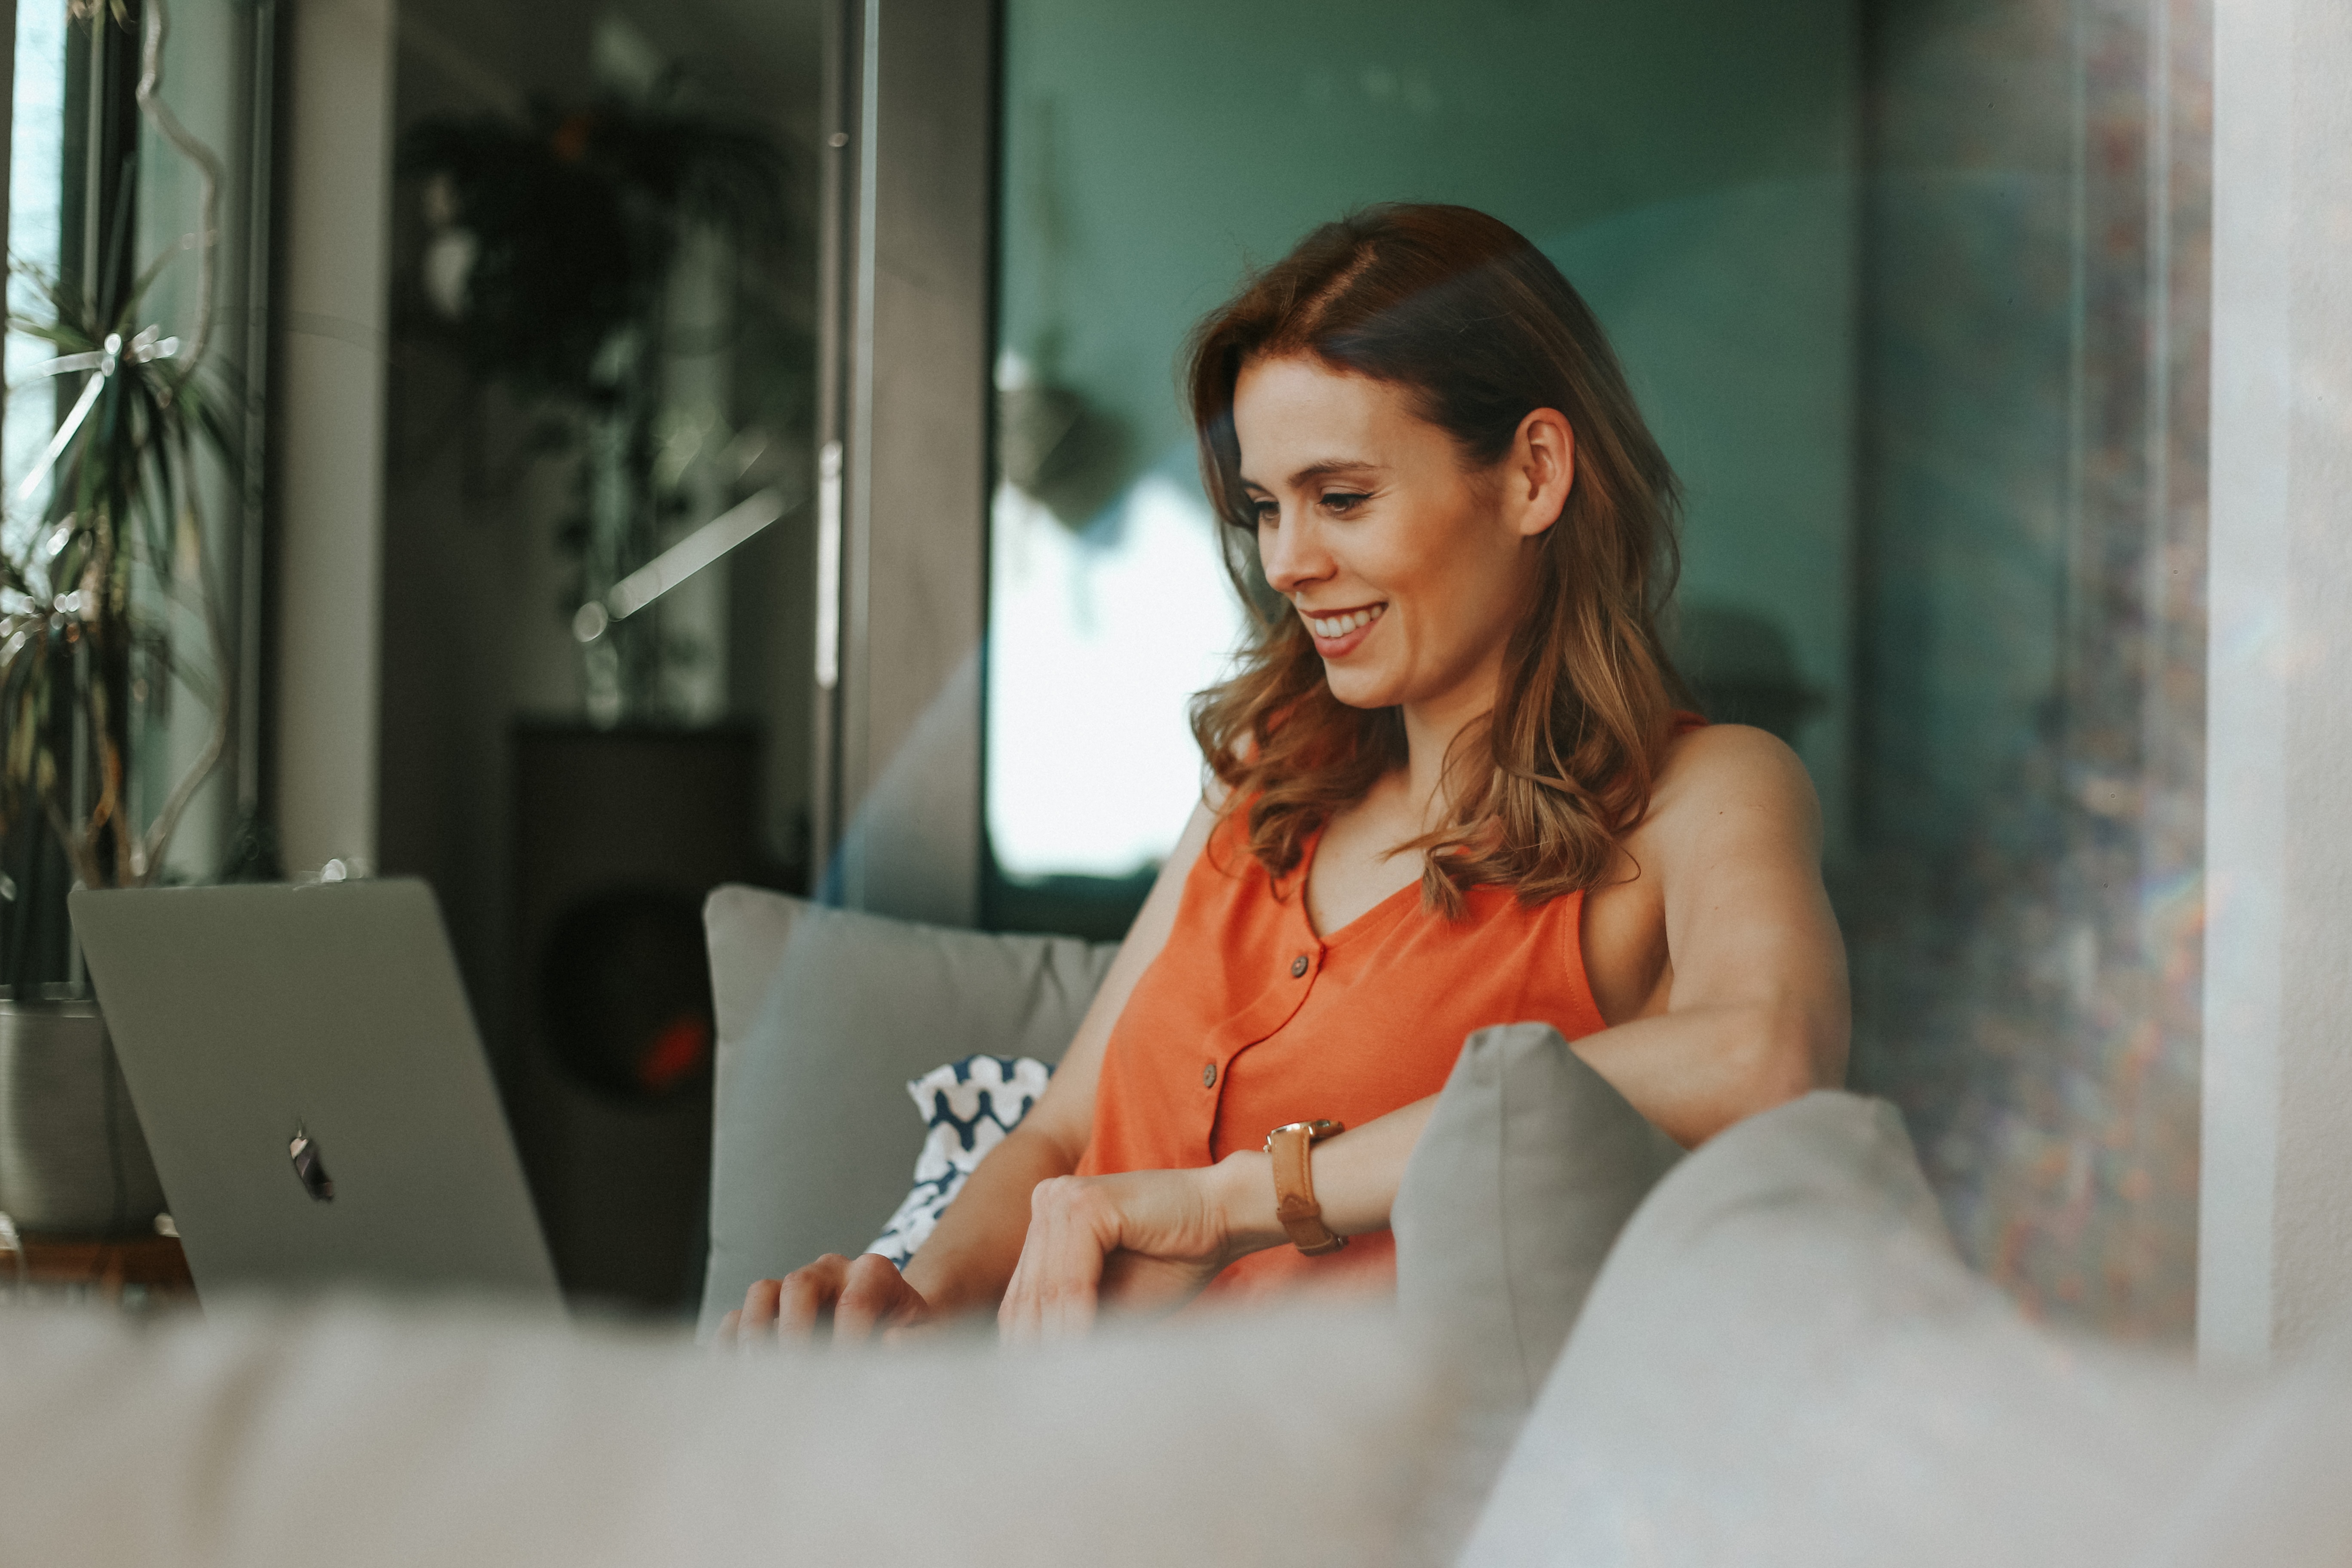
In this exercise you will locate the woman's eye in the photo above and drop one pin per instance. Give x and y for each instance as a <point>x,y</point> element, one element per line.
<point>1268,513</point>
<point>1343,500</point>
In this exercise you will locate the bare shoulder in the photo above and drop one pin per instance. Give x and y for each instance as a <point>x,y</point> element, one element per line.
<point>1736,778</point>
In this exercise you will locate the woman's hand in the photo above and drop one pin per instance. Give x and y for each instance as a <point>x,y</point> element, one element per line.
<point>859,1295</point>
<point>1142,1240</point>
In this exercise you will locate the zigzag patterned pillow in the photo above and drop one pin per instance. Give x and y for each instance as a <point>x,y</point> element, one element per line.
<point>969,1106</point>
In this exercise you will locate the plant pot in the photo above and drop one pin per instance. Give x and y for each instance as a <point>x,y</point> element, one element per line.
<point>73,1161</point>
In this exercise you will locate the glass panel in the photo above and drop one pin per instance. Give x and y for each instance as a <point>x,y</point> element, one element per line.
<point>212,54</point>
<point>139,223</point>
<point>1911,291</point>
<point>36,192</point>
<point>598,568</point>
<point>36,950</point>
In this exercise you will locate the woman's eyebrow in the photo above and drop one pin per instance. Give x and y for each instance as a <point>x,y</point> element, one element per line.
<point>1328,467</point>
<point>1315,471</point>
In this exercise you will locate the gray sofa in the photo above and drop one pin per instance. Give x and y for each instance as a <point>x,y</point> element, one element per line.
<point>1762,1353</point>
<point>1768,1352</point>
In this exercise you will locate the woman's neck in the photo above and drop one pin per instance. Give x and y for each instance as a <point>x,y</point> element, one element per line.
<point>1430,730</point>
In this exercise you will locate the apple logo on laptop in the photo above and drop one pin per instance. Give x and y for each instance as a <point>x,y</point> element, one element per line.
<point>308,1168</point>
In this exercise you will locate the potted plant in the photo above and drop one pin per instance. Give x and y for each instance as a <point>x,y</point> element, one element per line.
<point>101,592</point>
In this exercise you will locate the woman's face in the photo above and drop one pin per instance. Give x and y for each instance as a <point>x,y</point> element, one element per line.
<point>1409,570</point>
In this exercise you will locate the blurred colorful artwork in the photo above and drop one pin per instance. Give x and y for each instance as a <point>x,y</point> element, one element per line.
<point>2026,912</point>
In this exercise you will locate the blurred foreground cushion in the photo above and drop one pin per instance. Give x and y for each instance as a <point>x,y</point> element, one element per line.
<point>1784,1361</point>
<point>822,1017</point>
<point>1531,1164</point>
<point>356,1436</point>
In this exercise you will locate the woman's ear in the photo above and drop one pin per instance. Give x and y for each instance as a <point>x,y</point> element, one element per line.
<point>1539,473</point>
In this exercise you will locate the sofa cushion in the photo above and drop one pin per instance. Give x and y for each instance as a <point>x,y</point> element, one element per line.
<point>1784,1361</point>
<point>1530,1166</point>
<point>812,1141</point>
<point>746,930</point>
<point>358,1436</point>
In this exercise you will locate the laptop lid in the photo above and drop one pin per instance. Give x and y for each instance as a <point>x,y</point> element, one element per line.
<point>312,1087</point>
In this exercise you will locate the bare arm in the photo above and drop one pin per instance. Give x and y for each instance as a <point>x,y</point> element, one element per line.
<point>1756,1012</point>
<point>967,1261</point>
<point>1756,1008</point>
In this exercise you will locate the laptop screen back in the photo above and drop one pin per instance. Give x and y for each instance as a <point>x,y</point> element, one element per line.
<point>313,1089</point>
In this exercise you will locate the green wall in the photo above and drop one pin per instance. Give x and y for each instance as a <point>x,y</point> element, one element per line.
<point>1690,165</point>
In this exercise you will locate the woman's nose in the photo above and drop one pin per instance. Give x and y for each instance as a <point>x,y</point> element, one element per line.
<point>1290,556</point>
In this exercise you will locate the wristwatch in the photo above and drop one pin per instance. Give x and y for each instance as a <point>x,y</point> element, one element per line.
<point>1294,1186</point>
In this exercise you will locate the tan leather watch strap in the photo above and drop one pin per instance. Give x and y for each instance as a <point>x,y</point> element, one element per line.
<point>1294,1186</point>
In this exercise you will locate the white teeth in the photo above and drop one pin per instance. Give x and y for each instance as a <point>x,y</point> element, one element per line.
<point>1341,625</point>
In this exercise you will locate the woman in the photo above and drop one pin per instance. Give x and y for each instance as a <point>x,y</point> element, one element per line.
<point>1450,790</point>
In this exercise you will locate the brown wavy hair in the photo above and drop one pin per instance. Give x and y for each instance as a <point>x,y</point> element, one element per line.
<point>1460,311</point>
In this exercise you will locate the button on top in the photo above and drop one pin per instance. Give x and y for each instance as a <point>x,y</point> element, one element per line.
<point>1298,966</point>
<point>1209,1075</point>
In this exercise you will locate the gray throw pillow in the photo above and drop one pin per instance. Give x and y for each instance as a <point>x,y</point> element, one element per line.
<point>1531,1164</point>
<point>812,1141</point>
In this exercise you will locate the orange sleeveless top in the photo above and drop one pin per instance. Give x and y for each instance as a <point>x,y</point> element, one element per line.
<point>1248,1020</point>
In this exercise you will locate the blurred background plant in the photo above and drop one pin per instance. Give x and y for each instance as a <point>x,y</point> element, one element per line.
<point>572,260</point>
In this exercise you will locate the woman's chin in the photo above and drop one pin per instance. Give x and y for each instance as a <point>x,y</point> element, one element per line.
<point>1358,688</point>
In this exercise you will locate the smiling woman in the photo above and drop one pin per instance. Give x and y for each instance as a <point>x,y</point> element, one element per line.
<point>1433,355</point>
<point>1452,790</point>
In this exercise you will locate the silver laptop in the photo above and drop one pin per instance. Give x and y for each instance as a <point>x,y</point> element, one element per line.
<point>312,1087</point>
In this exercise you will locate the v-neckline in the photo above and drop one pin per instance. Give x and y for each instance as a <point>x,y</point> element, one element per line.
<point>1307,914</point>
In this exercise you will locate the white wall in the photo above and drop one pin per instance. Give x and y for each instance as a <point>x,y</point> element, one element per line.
<point>335,134</point>
<point>2276,1221</point>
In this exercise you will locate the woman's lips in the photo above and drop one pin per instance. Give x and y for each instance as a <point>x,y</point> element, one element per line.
<point>1339,633</point>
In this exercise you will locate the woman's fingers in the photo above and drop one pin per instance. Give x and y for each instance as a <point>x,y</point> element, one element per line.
<point>873,1293</point>
<point>856,1295</point>
<point>807,1295</point>
<point>914,1330</point>
<point>1084,1230</point>
<point>1140,1240</point>
<point>1071,1228</point>
<point>1147,1239</point>
<point>754,1319</point>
